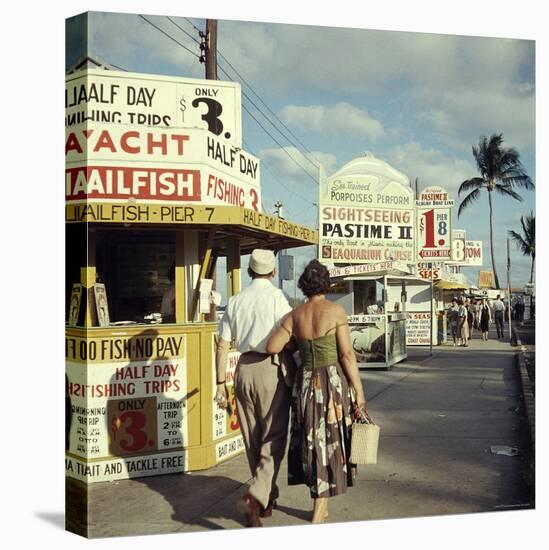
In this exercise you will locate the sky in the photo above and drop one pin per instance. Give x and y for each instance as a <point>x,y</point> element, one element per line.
<point>418,101</point>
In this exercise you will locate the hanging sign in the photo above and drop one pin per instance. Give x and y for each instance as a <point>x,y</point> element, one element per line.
<point>366,214</point>
<point>473,253</point>
<point>145,100</point>
<point>433,224</point>
<point>458,245</point>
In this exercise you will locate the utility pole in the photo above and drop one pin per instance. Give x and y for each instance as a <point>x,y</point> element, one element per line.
<point>509,287</point>
<point>417,188</point>
<point>209,45</point>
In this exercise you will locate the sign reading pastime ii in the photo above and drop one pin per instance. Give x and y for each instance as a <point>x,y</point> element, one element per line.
<point>366,214</point>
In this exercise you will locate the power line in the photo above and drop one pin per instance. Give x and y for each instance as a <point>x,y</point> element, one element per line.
<point>315,165</point>
<point>266,166</point>
<point>249,112</point>
<point>168,35</point>
<point>271,136</point>
<point>183,30</point>
<point>268,108</point>
<point>192,24</point>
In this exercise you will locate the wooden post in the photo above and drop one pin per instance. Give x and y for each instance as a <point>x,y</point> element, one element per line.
<point>211,50</point>
<point>180,279</point>
<point>88,277</point>
<point>204,267</point>
<point>233,267</point>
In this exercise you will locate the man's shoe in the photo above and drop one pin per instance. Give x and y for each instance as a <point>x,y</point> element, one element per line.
<point>267,512</point>
<point>251,509</point>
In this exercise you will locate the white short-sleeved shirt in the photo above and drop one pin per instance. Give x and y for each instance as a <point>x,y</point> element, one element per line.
<point>252,315</point>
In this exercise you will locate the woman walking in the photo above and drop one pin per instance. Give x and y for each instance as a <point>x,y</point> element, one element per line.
<point>322,410</point>
<point>485,319</point>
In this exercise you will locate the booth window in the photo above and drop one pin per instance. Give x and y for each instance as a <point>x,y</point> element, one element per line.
<point>134,266</point>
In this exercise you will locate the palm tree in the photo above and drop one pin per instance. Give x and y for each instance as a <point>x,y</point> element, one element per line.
<point>500,170</point>
<point>526,242</point>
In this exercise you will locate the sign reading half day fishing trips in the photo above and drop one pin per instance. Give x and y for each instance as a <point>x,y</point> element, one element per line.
<point>146,100</point>
<point>366,214</point>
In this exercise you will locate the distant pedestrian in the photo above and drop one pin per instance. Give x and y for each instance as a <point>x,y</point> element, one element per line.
<point>519,311</point>
<point>463,325</point>
<point>476,309</point>
<point>499,311</point>
<point>485,319</point>
<point>470,319</point>
<point>453,320</point>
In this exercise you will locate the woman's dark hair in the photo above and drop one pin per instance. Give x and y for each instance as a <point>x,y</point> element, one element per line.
<point>315,279</point>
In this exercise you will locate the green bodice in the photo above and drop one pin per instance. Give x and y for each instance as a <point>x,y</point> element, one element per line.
<point>319,352</point>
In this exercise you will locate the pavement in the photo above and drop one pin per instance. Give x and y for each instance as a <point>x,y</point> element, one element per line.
<point>439,418</point>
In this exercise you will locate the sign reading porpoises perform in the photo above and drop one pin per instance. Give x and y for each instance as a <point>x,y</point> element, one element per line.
<point>135,99</point>
<point>366,214</point>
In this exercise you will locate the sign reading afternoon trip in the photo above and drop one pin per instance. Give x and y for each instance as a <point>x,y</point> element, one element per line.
<point>152,100</point>
<point>366,214</point>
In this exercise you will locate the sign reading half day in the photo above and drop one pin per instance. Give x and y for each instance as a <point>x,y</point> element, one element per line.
<point>366,214</point>
<point>434,218</point>
<point>135,99</point>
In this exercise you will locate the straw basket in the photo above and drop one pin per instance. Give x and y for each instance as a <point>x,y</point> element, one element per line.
<point>364,443</point>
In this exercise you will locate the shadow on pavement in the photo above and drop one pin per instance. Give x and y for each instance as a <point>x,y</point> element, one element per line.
<point>57,519</point>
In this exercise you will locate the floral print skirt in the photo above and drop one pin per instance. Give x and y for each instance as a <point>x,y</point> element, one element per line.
<point>320,440</point>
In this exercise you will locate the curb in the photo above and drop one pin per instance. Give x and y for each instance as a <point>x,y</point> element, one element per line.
<point>527,394</point>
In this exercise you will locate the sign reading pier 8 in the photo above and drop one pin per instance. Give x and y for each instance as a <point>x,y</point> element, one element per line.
<point>366,214</point>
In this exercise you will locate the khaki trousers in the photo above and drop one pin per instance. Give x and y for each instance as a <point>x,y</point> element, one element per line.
<point>263,405</point>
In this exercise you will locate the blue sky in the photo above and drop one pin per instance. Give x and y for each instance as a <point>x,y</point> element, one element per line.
<point>418,101</point>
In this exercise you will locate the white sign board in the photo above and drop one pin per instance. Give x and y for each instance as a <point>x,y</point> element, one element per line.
<point>366,214</point>
<point>108,162</point>
<point>473,253</point>
<point>458,245</point>
<point>434,220</point>
<point>146,100</point>
<point>418,328</point>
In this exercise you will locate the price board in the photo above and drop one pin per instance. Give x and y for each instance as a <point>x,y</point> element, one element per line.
<point>434,220</point>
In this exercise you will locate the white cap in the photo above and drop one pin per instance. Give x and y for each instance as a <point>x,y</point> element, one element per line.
<point>262,261</point>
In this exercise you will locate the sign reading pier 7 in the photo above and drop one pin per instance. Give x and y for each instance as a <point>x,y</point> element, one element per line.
<point>366,214</point>
<point>136,99</point>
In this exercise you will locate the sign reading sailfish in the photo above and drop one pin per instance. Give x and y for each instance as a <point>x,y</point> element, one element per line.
<point>366,214</point>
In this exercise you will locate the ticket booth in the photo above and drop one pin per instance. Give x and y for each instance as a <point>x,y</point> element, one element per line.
<point>155,196</point>
<point>376,304</point>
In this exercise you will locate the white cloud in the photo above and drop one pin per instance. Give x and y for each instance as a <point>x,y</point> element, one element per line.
<point>430,165</point>
<point>342,118</point>
<point>291,162</point>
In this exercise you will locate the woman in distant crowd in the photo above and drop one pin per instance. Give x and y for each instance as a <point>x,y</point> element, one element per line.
<point>453,320</point>
<point>463,325</point>
<point>485,319</point>
<point>470,319</point>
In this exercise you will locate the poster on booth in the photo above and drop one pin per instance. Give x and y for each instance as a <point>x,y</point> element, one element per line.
<point>418,328</point>
<point>226,422</point>
<point>434,220</point>
<point>367,334</point>
<point>127,398</point>
<point>109,162</point>
<point>366,214</point>
<point>147,100</point>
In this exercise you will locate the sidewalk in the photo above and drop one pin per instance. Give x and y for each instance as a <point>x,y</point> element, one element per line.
<point>438,417</point>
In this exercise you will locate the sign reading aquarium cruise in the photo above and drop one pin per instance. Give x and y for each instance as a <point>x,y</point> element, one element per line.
<point>366,214</point>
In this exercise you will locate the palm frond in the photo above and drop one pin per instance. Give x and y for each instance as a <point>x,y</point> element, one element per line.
<point>508,191</point>
<point>468,185</point>
<point>522,245</point>
<point>468,200</point>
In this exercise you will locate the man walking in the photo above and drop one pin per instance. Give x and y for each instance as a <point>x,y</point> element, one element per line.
<point>262,394</point>
<point>499,311</point>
